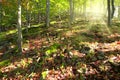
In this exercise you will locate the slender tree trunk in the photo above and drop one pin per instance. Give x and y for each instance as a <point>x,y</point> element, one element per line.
<point>39,16</point>
<point>47,13</point>
<point>19,28</point>
<point>28,20</point>
<point>71,12</point>
<point>109,12</point>
<point>113,8</point>
<point>84,9</point>
<point>35,17</point>
<point>119,12</point>
<point>28,17</point>
<point>0,16</point>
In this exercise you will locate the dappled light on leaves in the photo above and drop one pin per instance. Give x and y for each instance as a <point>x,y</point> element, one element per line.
<point>62,40</point>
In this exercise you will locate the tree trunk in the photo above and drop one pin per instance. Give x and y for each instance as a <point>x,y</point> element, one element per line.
<point>113,8</point>
<point>39,16</point>
<point>109,12</point>
<point>47,13</point>
<point>119,12</point>
<point>84,9</point>
<point>71,11</point>
<point>0,16</point>
<point>19,28</point>
<point>28,17</point>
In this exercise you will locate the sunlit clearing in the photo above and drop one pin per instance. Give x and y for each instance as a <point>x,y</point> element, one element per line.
<point>96,12</point>
<point>98,15</point>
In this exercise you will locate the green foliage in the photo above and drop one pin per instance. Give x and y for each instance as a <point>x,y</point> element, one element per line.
<point>90,53</point>
<point>95,28</point>
<point>4,63</point>
<point>1,74</point>
<point>52,49</point>
<point>44,74</point>
<point>65,61</point>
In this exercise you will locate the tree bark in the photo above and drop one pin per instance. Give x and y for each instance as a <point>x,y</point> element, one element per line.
<point>113,8</point>
<point>71,11</point>
<point>119,12</point>
<point>39,13</point>
<point>28,17</point>
<point>109,12</point>
<point>0,16</point>
<point>84,9</point>
<point>19,28</point>
<point>47,13</point>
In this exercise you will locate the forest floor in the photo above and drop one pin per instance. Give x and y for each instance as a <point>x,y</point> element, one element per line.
<point>84,51</point>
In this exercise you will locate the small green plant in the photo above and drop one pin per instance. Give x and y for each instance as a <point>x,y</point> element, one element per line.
<point>52,49</point>
<point>4,63</point>
<point>91,53</point>
<point>44,74</point>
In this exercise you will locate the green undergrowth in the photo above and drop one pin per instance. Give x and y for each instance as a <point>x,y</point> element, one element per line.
<point>57,51</point>
<point>5,63</point>
<point>52,49</point>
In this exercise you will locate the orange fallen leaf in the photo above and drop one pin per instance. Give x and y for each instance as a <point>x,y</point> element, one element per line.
<point>118,42</point>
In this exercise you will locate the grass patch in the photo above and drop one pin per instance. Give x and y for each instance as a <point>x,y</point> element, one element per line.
<point>5,63</point>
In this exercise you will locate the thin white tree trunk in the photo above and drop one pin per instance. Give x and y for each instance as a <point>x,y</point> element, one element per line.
<point>19,28</point>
